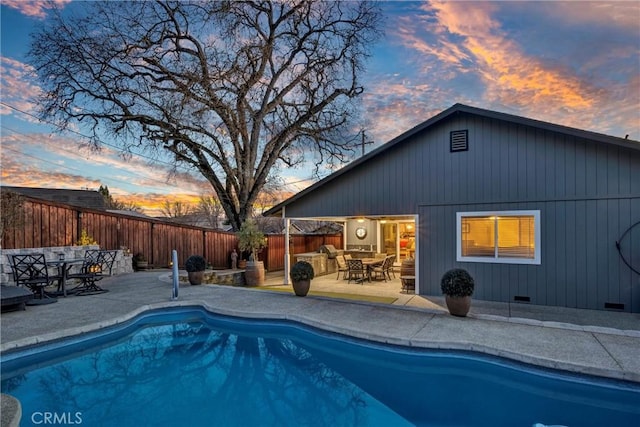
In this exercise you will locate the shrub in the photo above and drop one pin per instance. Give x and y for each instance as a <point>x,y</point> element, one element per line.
<point>301,270</point>
<point>251,239</point>
<point>195,263</point>
<point>85,239</point>
<point>457,283</point>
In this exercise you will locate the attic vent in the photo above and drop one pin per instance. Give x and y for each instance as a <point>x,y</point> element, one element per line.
<point>459,140</point>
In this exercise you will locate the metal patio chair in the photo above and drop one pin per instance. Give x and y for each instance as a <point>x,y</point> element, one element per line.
<point>31,271</point>
<point>357,271</point>
<point>97,265</point>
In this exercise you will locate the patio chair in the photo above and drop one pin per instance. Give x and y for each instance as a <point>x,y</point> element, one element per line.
<point>31,271</point>
<point>97,265</point>
<point>390,267</point>
<point>342,267</point>
<point>382,270</point>
<point>357,271</point>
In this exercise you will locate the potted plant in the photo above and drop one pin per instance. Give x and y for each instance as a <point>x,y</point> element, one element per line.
<point>252,240</point>
<point>301,275</point>
<point>139,262</point>
<point>457,286</point>
<point>195,266</point>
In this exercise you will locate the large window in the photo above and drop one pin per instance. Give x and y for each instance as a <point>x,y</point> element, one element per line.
<point>511,237</point>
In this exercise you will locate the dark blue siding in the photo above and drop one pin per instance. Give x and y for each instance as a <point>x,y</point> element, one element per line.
<point>588,193</point>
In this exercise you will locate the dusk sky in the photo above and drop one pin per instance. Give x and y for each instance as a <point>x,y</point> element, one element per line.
<point>572,63</point>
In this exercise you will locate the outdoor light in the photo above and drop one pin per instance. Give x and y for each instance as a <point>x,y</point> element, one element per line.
<point>95,268</point>
<point>360,220</point>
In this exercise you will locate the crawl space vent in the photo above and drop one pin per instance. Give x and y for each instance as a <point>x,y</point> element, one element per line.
<point>459,140</point>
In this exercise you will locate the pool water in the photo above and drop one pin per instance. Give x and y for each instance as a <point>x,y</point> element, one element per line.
<point>186,367</point>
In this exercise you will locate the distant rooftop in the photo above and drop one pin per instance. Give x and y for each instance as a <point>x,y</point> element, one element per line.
<point>80,198</point>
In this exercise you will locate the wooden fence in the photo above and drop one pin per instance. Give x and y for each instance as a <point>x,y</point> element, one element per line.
<point>47,224</point>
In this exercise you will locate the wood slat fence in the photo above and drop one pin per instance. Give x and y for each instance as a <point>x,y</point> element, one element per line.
<point>47,224</point>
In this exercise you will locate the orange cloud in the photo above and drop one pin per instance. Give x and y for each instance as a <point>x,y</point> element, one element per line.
<point>510,76</point>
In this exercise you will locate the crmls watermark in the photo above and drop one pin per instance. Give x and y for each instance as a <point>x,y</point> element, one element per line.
<point>58,418</point>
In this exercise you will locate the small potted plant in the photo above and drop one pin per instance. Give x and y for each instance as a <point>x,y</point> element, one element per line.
<point>139,262</point>
<point>195,266</point>
<point>252,240</point>
<point>457,286</point>
<point>301,275</point>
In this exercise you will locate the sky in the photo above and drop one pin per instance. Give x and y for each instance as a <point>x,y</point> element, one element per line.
<point>572,63</point>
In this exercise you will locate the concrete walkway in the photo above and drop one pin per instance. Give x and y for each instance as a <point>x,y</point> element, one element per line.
<point>584,341</point>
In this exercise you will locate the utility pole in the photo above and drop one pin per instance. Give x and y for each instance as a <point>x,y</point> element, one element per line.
<point>364,142</point>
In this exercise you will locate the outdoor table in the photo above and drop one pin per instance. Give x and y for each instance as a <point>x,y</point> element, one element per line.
<point>63,266</point>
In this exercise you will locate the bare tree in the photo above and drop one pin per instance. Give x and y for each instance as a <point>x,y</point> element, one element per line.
<point>176,209</point>
<point>210,209</point>
<point>230,88</point>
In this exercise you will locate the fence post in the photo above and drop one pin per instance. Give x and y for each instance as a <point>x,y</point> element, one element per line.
<point>79,227</point>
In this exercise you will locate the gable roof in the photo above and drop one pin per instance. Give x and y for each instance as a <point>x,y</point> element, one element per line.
<point>80,198</point>
<point>451,111</point>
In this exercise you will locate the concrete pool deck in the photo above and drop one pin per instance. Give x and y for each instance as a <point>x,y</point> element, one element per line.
<point>584,341</point>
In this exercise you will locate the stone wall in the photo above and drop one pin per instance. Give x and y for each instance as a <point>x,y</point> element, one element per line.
<point>121,265</point>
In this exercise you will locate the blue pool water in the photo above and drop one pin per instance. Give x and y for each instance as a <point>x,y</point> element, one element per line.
<point>186,367</point>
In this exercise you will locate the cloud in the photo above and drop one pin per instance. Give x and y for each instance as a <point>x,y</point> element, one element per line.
<point>34,8</point>
<point>553,61</point>
<point>68,163</point>
<point>18,88</point>
<point>618,14</point>
<point>509,75</point>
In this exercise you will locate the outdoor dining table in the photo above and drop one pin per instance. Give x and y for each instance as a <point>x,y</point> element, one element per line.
<point>63,266</point>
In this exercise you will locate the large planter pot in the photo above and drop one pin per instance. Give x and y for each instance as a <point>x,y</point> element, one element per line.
<point>142,265</point>
<point>458,306</point>
<point>195,277</point>
<point>301,287</point>
<point>254,273</point>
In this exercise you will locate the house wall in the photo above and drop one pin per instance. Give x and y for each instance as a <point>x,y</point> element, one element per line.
<point>588,193</point>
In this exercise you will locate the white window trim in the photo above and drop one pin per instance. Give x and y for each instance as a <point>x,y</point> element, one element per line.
<point>499,260</point>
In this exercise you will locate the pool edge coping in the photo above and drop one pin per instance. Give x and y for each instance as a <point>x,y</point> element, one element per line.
<point>616,374</point>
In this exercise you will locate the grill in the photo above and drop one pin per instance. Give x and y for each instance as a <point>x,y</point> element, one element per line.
<point>330,250</point>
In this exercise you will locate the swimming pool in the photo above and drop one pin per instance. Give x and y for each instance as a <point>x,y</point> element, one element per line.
<point>185,366</point>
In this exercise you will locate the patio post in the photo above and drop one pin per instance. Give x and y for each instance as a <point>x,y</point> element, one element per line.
<point>287,257</point>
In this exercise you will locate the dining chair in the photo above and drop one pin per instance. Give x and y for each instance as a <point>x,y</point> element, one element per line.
<point>31,271</point>
<point>357,271</point>
<point>381,270</point>
<point>342,267</point>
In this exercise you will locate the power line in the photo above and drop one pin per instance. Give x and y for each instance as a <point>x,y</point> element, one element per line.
<point>119,149</point>
<point>163,183</point>
<point>88,137</point>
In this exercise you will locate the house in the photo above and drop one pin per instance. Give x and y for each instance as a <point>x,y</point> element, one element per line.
<point>90,199</point>
<point>538,213</point>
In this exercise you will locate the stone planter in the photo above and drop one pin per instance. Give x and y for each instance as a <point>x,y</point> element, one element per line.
<point>301,287</point>
<point>458,306</point>
<point>195,277</point>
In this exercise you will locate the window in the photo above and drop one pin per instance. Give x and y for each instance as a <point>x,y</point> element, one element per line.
<point>511,237</point>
